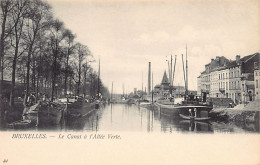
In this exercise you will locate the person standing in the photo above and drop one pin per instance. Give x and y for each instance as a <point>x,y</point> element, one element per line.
<point>31,99</point>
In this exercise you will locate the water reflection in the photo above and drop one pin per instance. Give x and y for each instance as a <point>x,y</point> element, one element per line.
<point>116,117</point>
<point>132,118</point>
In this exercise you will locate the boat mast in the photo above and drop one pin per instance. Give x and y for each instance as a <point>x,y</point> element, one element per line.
<point>149,78</point>
<point>187,90</point>
<point>123,90</point>
<point>98,77</point>
<point>112,91</point>
<point>184,73</point>
<point>171,72</point>
<point>142,86</point>
<point>174,70</point>
<point>152,87</point>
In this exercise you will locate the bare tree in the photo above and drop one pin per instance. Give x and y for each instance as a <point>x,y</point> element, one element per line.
<point>69,39</point>
<point>16,21</point>
<point>6,6</point>
<point>80,58</point>
<point>56,37</point>
<point>38,20</point>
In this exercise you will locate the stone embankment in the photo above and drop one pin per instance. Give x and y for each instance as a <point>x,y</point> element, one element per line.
<point>249,113</point>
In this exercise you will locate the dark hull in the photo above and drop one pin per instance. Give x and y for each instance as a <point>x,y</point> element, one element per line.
<point>51,114</point>
<point>168,110</point>
<point>175,109</point>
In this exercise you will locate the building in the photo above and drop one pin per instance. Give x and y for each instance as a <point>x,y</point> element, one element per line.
<point>163,90</point>
<point>208,80</point>
<point>223,78</point>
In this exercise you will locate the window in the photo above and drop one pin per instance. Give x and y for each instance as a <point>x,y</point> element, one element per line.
<point>226,86</point>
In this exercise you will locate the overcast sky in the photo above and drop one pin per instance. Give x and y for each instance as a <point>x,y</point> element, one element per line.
<point>127,35</point>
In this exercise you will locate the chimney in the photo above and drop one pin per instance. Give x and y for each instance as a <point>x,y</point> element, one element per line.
<point>237,59</point>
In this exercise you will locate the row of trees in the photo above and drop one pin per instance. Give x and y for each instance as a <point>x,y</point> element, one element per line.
<point>38,51</point>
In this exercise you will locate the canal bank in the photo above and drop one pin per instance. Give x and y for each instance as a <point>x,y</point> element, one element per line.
<point>243,117</point>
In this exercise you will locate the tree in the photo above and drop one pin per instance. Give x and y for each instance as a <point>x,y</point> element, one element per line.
<point>56,37</point>
<point>80,57</point>
<point>6,6</point>
<point>18,14</point>
<point>69,39</point>
<point>38,21</point>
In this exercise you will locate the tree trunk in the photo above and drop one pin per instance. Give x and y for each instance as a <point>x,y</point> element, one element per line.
<point>28,74</point>
<point>13,74</point>
<point>37,87</point>
<point>78,92</point>
<point>66,73</point>
<point>2,46</point>
<point>33,75</point>
<point>54,72</point>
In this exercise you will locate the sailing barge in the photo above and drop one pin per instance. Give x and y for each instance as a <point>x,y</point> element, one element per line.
<point>190,108</point>
<point>40,114</point>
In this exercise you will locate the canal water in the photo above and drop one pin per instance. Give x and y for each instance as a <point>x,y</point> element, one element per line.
<point>133,118</point>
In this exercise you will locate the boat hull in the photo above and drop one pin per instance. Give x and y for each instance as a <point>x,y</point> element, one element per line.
<point>167,110</point>
<point>175,109</point>
<point>51,114</point>
<point>194,118</point>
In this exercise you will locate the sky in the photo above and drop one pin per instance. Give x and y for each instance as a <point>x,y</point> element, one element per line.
<point>127,35</point>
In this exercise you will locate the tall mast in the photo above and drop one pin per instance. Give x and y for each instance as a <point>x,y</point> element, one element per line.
<point>149,77</point>
<point>123,90</point>
<point>174,69</point>
<point>186,71</point>
<point>98,77</point>
<point>152,87</point>
<point>142,86</point>
<point>112,91</point>
<point>171,72</point>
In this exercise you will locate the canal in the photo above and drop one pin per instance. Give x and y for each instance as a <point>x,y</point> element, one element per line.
<point>133,118</point>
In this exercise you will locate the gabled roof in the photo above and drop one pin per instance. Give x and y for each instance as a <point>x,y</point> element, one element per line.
<point>165,78</point>
<point>246,58</point>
